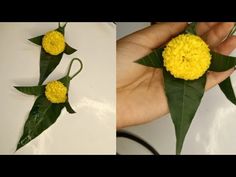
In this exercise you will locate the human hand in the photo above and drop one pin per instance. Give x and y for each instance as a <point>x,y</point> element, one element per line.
<point>140,90</point>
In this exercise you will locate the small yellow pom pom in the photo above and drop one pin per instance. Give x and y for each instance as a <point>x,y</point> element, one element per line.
<point>53,42</point>
<point>56,92</point>
<point>187,57</point>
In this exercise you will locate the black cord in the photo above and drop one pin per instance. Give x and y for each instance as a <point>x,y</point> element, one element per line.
<point>137,139</point>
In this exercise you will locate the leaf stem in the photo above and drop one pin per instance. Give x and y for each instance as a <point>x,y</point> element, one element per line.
<point>59,25</point>
<point>232,31</point>
<point>81,67</point>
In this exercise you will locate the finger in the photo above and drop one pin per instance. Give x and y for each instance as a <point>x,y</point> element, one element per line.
<point>227,46</point>
<point>214,78</point>
<point>217,34</point>
<point>156,35</point>
<point>224,48</point>
<point>204,27</point>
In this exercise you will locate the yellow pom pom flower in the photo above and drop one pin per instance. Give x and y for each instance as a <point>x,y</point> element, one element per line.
<point>56,92</point>
<point>53,42</point>
<point>187,57</point>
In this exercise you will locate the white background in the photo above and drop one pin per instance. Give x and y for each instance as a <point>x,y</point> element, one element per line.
<point>213,130</point>
<point>92,93</point>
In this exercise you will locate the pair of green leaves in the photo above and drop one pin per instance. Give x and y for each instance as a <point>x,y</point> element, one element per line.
<point>44,113</point>
<point>184,96</point>
<point>49,62</point>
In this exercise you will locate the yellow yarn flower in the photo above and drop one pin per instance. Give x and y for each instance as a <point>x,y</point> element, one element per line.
<point>53,42</point>
<point>187,57</point>
<point>56,92</point>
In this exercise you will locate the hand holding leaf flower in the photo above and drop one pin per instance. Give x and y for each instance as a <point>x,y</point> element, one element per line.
<point>141,96</point>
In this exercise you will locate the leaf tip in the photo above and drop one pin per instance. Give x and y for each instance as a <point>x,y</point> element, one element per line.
<point>179,145</point>
<point>18,147</point>
<point>178,152</point>
<point>69,108</point>
<point>30,40</point>
<point>137,61</point>
<point>17,88</point>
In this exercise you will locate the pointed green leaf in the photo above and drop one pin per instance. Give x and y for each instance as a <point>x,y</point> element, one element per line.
<point>66,81</point>
<point>32,90</point>
<point>221,62</point>
<point>191,29</point>
<point>37,40</point>
<point>69,108</point>
<point>61,30</point>
<point>42,115</point>
<point>47,64</point>
<point>183,99</point>
<point>153,59</point>
<point>69,50</point>
<point>227,89</point>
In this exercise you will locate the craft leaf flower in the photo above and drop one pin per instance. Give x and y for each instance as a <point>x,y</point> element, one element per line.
<point>56,92</point>
<point>187,57</point>
<point>53,42</point>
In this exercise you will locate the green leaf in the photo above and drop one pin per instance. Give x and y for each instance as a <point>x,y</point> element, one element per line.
<point>69,108</point>
<point>42,115</point>
<point>47,64</point>
<point>61,30</point>
<point>183,99</point>
<point>191,29</point>
<point>37,40</point>
<point>66,81</point>
<point>69,50</point>
<point>153,59</point>
<point>221,62</point>
<point>227,89</point>
<point>32,90</point>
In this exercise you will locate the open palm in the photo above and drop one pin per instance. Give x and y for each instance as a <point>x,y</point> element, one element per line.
<point>140,90</point>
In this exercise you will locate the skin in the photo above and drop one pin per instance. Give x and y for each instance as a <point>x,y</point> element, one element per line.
<point>140,91</point>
